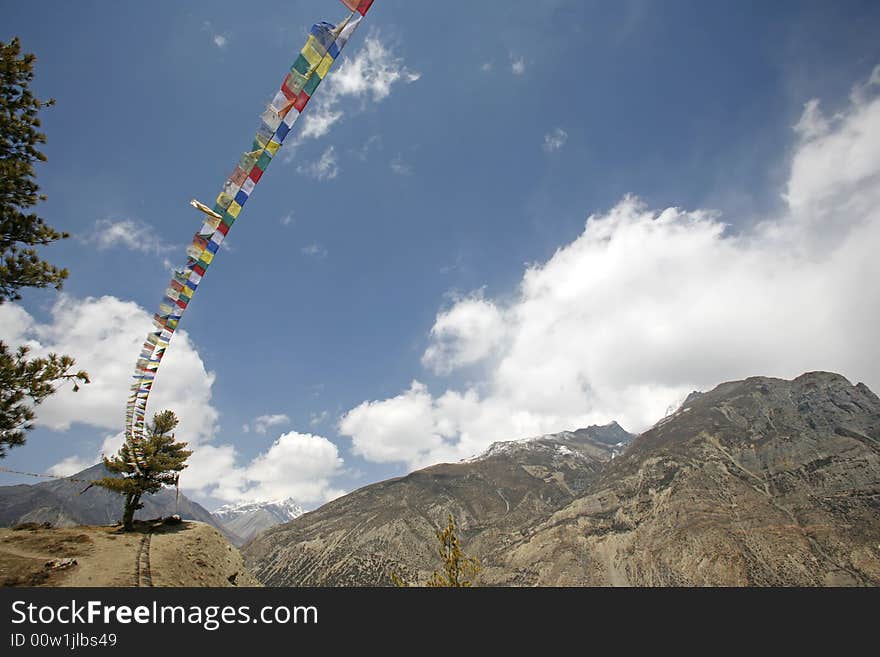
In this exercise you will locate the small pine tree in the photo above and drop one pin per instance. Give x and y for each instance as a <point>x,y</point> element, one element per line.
<point>146,465</point>
<point>459,569</point>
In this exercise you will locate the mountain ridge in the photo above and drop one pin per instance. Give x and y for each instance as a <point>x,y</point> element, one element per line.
<point>490,496</point>
<point>762,481</point>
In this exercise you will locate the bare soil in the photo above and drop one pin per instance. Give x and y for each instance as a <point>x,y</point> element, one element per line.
<point>155,554</point>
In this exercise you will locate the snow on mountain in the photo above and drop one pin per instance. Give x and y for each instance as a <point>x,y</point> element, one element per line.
<point>285,509</point>
<point>611,435</point>
<point>250,517</point>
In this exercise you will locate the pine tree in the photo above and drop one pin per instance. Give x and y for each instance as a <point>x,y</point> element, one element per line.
<point>146,465</point>
<point>459,569</point>
<point>20,379</point>
<point>20,231</point>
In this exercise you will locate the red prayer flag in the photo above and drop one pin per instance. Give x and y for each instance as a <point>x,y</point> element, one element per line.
<point>360,6</point>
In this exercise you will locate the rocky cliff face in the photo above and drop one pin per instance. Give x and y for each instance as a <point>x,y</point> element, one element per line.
<point>758,482</point>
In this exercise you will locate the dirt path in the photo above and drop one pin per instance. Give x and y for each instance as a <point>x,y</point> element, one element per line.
<point>142,573</point>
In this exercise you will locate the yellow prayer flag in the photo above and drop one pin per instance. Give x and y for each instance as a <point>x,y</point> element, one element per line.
<point>314,52</point>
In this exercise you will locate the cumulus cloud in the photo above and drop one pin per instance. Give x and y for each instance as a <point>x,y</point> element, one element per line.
<point>464,334</point>
<point>554,140</point>
<point>105,334</point>
<point>297,465</point>
<point>325,168</point>
<point>368,77</point>
<point>517,65</point>
<point>396,429</point>
<point>131,234</point>
<point>69,466</point>
<point>647,305</point>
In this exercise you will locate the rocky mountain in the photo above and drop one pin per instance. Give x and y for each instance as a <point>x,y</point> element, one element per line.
<point>62,503</point>
<point>757,482</point>
<point>388,527</point>
<point>247,519</point>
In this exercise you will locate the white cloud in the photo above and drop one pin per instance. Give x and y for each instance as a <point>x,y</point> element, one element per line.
<point>318,418</point>
<point>131,234</point>
<point>464,334</point>
<point>486,67</point>
<point>369,76</point>
<point>517,65</point>
<point>69,466</point>
<point>314,250</point>
<point>287,219</point>
<point>363,153</point>
<point>262,423</point>
<point>645,306</point>
<point>213,470</point>
<point>297,465</point>
<point>326,168</point>
<point>397,429</point>
<point>112,444</point>
<point>400,167</point>
<point>812,123</point>
<point>104,335</point>
<point>555,140</point>
<point>218,39</point>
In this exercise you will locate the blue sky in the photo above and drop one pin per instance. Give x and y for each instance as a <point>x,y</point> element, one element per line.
<point>453,196</point>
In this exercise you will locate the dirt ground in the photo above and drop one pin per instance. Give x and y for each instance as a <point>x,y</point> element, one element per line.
<point>185,554</point>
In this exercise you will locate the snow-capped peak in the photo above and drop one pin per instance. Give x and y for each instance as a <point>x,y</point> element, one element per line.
<point>284,509</point>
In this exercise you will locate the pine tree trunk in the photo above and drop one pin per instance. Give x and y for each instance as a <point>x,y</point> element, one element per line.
<point>131,505</point>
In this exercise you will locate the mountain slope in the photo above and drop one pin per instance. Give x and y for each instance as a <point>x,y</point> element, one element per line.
<point>62,503</point>
<point>757,482</point>
<point>247,519</point>
<point>385,528</point>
